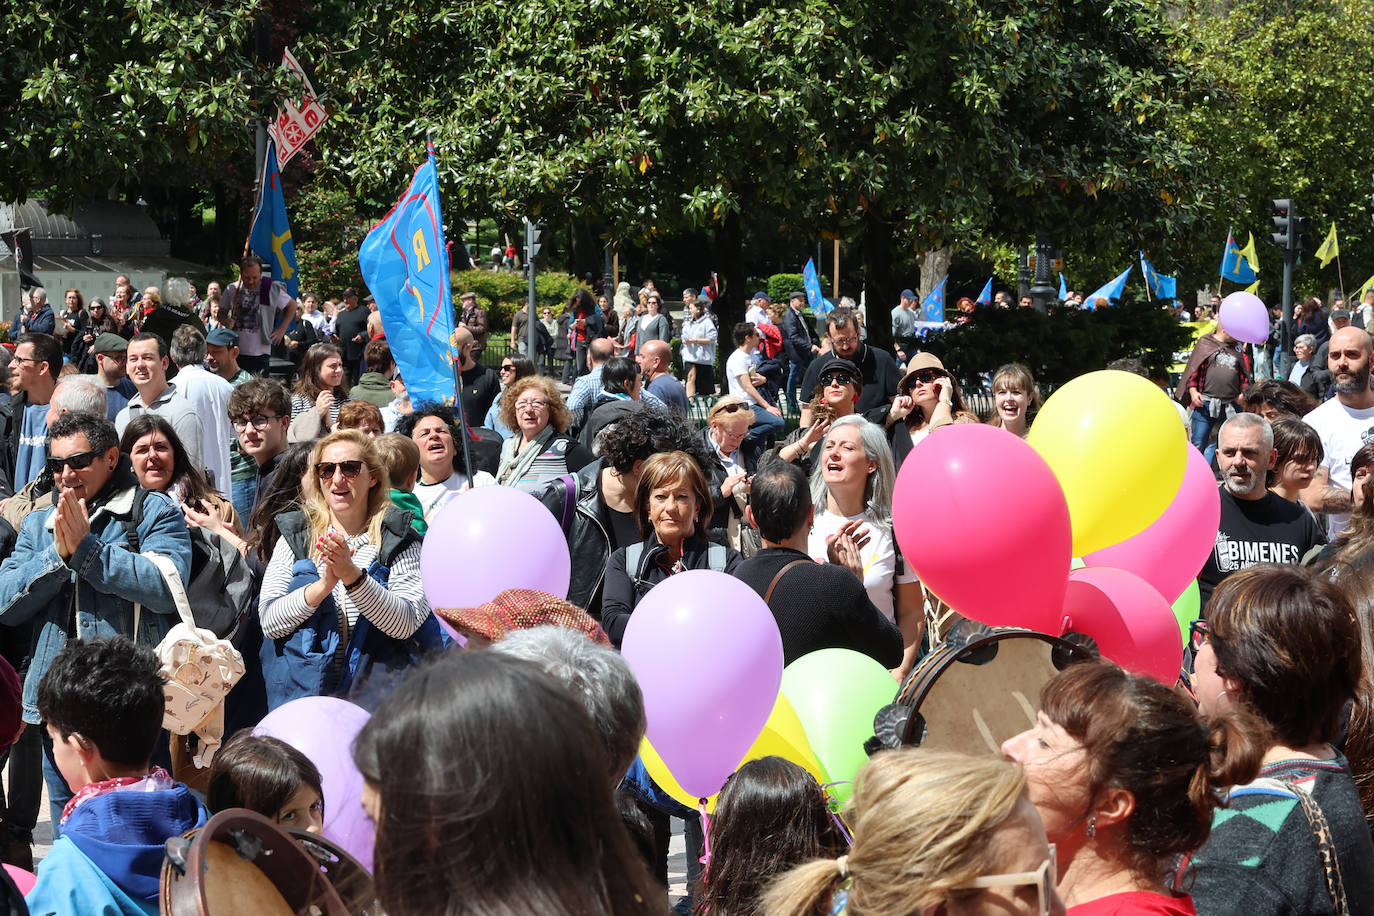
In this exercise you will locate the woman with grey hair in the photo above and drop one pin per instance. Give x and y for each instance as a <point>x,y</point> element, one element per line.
<point>851,485</point>
<point>598,677</point>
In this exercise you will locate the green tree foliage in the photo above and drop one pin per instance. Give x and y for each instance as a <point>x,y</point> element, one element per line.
<point>326,231</point>
<point>502,294</point>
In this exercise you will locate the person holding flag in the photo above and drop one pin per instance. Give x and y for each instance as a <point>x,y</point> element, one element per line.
<point>260,311</point>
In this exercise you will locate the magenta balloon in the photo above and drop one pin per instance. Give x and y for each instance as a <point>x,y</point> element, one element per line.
<point>708,656</point>
<point>323,729</point>
<point>982,520</point>
<point>487,540</point>
<point>1131,622</point>
<point>1170,553</point>
<point>1244,317</point>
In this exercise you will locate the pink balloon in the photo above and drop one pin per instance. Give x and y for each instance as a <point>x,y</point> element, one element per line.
<point>487,540</point>
<point>982,520</point>
<point>708,657</point>
<point>1244,317</point>
<point>323,729</point>
<point>24,880</point>
<point>1131,622</point>
<point>1170,553</point>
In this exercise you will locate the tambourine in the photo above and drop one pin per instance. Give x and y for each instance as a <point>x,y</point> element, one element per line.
<point>978,688</point>
<point>242,864</point>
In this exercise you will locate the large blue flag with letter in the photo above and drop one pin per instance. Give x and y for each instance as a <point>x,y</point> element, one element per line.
<point>814,297</point>
<point>933,305</point>
<point>985,297</point>
<point>1111,291</point>
<point>1063,287</point>
<point>1234,267</point>
<point>270,237</point>
<point>1161,287</point>
<point>405,264</point>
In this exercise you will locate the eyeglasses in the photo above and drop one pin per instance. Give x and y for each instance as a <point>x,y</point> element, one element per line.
<point>78,462</point>
<point>1044,878</point>
<point>847,341</point>
<point>842,378</point>
<point>1198,633</point>
<point>21,360</point>
<point>351,469</point>
<point>259,422</point>
<point>532,405</point>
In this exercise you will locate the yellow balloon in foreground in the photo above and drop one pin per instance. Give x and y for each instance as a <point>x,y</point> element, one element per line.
<point>782,736</point>
<point>1118,448</point>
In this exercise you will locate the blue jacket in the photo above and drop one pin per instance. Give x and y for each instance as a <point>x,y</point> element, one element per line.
<point>99,584</point>
<point>42,321</point>
<point>109,858</point>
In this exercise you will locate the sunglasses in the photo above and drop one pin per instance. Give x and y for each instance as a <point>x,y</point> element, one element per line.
<point>1044,878</point>
<point>842,378</point>
<point>729,408</point>
<point>351,469</point>
<point>78,462</point>
<point>506,367</point>
<point>926,376</point>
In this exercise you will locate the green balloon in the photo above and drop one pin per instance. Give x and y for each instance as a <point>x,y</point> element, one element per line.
<point>1186,609</point>
<point>836,693</point>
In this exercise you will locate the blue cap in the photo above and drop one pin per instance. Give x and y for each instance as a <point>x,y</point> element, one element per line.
<point>908,294</point>
<point>222,337</point>
<point>762,295</point>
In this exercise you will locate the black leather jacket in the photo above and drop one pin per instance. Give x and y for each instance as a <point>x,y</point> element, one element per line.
<point>587,526</point>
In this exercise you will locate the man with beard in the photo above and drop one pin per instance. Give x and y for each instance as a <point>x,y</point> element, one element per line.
<point>1344,423</point>
<point>1257,525</point>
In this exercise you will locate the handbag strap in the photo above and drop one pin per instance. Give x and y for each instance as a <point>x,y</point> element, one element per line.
<point>174,585</point>
<point>1321,835</point>
<point>768,594</point>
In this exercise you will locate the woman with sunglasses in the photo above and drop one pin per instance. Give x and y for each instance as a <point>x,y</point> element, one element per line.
<point>1125,775</point>
<point>734,461</point>
<point>513,368</point>
<point>837,392</point>
<point>1284,644</point>
<point>927,399</point>
<point>347,556</point>
<point>935,832</point>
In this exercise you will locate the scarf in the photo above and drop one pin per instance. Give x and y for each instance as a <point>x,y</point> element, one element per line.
<point>156,780</point>
<point>516,461</point>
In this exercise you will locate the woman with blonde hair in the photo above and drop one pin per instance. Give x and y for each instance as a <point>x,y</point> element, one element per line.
<point>934,832</point>
<point>1014,399</point>
<point>345,572</point>
<point>540,448</point>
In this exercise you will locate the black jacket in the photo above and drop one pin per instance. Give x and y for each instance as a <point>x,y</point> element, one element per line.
<point>587,526</point>
<point>1315,381</point>
<point>624,587</point>
<point>749,454</point>
<point>11,425</point>
<point>798,337</point>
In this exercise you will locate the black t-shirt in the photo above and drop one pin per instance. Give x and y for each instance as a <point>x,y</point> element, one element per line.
<point>1254,531</point>
<point>879,371</point>
<point>623,531</point>
<point>349,324</point>
<point>481,386</point>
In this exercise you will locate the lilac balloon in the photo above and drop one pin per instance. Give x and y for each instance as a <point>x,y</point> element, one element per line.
<point>323,729</point>
<point>489,539</point>
<point>708,656</point>
<point>1169,553</point>
<point>1244,317</point>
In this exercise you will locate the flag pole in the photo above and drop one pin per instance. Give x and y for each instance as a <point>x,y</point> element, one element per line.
<point>257,207</point>
<point>457,364</point>
<point>1147,278</point>
<point>1340,279</point>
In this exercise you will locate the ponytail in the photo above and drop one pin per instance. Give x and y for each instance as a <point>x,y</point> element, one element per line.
<point>1236,742</point>
<point>807,889</point>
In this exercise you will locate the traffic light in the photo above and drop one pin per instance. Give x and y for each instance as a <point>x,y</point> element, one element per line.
<point>532,246</point>
<point>1299,232</point>
<point>1283,224</point>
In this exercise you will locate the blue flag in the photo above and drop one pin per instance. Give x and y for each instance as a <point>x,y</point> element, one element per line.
<point>985,297</point>
<point>405,264</point>
<point>1111,291</point>
<point>1161,287</point>
<point>933,305</point>
<point>1063,288</point>
<point>1234,267</point>
<point>270,237</point>
<point>814,297</point>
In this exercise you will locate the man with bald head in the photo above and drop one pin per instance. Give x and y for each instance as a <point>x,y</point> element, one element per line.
<point>1345,424</point>
<point>481,384</point>
<point>655,359</point>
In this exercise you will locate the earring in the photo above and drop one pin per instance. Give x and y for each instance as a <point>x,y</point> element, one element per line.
<point>1092,826</point>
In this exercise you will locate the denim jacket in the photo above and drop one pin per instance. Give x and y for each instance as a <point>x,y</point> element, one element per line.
<point>94,591</point>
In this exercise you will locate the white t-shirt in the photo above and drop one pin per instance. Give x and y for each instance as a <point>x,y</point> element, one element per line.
<point>879,556</point>
<point>757,315</point>
<point>740,363</point>
<point>433,496</point>
<point>1343,430</point>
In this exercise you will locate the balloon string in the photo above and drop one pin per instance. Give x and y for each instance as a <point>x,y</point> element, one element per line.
<point>705,832</point>
<point>839,823</point>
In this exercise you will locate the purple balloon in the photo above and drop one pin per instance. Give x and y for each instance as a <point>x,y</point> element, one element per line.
<point>323,729</point>
<point>1244,317</point>
<point>708,656</point>
<point>1170,553</point>
<point>489,539</point>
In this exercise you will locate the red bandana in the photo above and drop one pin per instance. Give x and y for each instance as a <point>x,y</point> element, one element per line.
<point>157,779</point>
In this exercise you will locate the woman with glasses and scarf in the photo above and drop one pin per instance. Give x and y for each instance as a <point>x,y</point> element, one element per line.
<point>1126,777</point>
<point>936,834</point>
<point>927,399</point>
<point>540,448</point>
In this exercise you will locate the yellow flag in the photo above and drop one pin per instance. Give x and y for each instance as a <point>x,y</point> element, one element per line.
<point>1329,249</point>
<point>1368,285</point>
<point>1248,252</point>
<point>1253,288</point>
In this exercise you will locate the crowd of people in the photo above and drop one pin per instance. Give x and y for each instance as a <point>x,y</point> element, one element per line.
<point>148,453</point>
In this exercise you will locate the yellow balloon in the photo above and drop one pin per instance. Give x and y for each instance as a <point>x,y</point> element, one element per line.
<point>782,736</point>
<point>1118,449</point>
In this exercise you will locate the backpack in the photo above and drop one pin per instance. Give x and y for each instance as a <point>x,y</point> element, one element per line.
<point>716,556</point>
<point>221,588</point>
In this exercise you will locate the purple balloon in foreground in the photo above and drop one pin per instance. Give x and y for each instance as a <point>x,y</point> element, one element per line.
<point>487,540</point>
<point>708,656</point>
<point>323,729</point>
<point>1244,317</point>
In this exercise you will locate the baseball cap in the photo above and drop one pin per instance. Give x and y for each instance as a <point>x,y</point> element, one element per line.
<point>762,295</point>
<point>222,337</point>
<point>908,294</point>
<point>110,343</point>
<point>1340,313</point>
